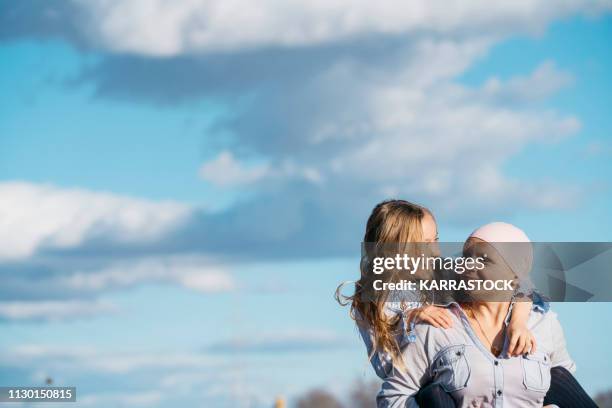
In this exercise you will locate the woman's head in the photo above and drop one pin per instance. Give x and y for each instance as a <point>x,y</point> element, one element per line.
<point>512,244</point>
<point>507,255</point>
<point>392,227</point>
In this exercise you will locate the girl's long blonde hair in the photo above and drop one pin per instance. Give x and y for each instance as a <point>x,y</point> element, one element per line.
<point>395,222</point>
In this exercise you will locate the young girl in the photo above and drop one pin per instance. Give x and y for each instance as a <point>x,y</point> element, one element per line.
<point>385,323</point>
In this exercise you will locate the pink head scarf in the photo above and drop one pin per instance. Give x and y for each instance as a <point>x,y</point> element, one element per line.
<point>501,235</point>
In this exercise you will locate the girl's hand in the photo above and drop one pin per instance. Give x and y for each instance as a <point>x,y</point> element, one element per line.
<point>434,315</point>
<point>521,341</point>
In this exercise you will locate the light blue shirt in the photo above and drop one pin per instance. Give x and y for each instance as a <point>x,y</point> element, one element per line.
<point>457,360</point>
<point>396,306</point>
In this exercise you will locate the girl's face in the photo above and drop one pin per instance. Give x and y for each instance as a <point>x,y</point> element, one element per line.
<point>430,235</point>
<point>430,229</point>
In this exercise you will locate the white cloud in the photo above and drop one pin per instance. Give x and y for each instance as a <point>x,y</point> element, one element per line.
<point>411,130</point>
<point>53,310</point>
<point>35,216</point>
<point>352,127</point>
<point>543,81</point>
<point>72,291</point>
<point>208,282</point>
<point>194,272</point>
<point>228,172</point>
<point>163,28</point>
<point>83,359</point>
<point>450,141</point>
<point>225,170</point>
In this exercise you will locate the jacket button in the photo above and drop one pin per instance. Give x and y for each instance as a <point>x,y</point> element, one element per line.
<point>496,362</point>
<point>499,392</point>
<point>458,353</point>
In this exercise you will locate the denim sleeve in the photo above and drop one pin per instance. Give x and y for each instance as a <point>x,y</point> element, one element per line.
<point>400,388</point>
<point>396,393</point>
<point>382,362</point>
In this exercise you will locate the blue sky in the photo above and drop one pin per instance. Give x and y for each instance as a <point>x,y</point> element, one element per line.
<point>177,207</point>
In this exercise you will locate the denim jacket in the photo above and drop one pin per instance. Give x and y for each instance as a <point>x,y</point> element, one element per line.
<point>457,360</point>
<point>382,361</point>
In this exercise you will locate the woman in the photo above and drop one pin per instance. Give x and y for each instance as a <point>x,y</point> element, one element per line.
<point>471,360</point>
